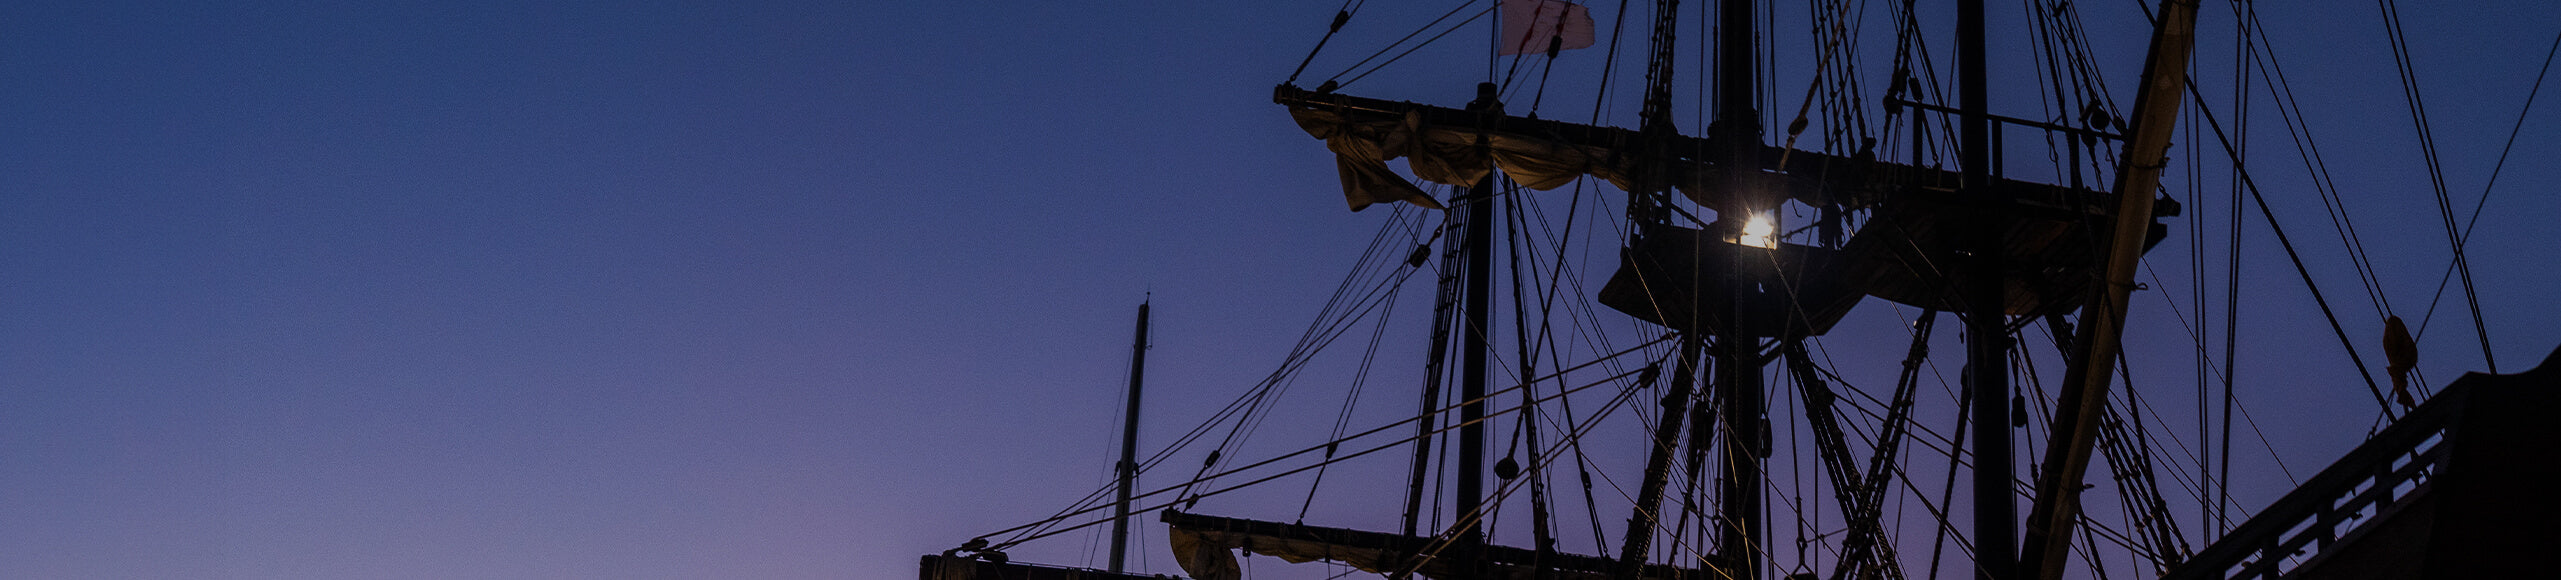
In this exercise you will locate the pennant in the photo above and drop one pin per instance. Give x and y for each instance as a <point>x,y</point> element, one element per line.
<point>1530,26</point>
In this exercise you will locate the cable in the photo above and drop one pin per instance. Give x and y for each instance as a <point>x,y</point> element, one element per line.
<point>2296,257</point>
<point>1417,46</point>
<point>2436,172</point>
<point>2477,206</point>
<point>1341,16</point>
<point>1301,469</point>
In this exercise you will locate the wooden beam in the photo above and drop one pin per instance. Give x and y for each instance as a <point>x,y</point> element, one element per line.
<point>2048,536</point>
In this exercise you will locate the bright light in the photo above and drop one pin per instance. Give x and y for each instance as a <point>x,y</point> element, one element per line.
<point>1759,232</point>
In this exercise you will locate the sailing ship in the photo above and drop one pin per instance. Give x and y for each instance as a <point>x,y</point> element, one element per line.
<point>1738,246</point>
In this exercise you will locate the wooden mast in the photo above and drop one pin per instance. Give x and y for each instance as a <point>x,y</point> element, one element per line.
<point>1987,333</point>
<point>1476,345</point>
<point>1128,466</point>
<point>1738,365</point>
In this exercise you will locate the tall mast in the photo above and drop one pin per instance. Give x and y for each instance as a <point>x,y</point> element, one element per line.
<point>1738,365</point>
<point>1986,332</point>
<point>1476,342</point>
<point>1129,443</point>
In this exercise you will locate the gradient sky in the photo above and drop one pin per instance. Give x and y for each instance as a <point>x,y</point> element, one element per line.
<point>802,290</point>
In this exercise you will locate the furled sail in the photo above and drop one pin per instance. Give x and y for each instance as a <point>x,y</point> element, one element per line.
<point>1458,147</point>
<point>1461,146</point>
<point>1362,145</point>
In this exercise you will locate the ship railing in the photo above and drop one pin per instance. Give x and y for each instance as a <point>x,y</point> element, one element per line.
<point>2377,480</point>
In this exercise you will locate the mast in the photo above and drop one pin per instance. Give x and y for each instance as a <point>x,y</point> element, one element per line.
<point>1479,209</point>
<point>1129,444</point>
<point>2084,395</point>
<point>1740,387</point>
<point>1724,317</point>
<point>1738,364</point>
<point>1476,344</point>
<point>1987,335</point>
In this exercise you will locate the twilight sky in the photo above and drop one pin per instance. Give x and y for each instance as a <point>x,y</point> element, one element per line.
<point>804,290</point>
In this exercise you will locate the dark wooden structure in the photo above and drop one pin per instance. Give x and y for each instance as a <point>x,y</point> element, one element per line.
<point>2462,487</point>
<point>1392,554</point>
<point>958,567</point>
<point>1789,290</point>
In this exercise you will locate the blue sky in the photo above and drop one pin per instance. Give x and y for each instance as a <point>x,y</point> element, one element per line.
<point>796,290</point>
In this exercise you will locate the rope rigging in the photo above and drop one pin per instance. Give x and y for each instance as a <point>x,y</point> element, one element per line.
<point>2262,58</point>
<point>2436,172</point>
<point>1830,415</point>
<point>1328,326</point>
<point>1527,429</point>
<point>1332,326</point>
<point>1337,81</point>
<point>1444,319</point>
<point>1044,528</point>
<point>2486,186</point>
<point>1341,16</point>
<point>2296,257</point>
<point>1360,377</point>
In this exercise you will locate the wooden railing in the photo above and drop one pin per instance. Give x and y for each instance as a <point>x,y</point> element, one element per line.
<point>2373,482</point>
